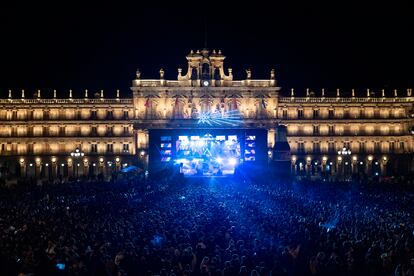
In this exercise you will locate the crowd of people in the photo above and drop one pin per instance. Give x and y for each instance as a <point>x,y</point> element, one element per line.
<point>219,226</point>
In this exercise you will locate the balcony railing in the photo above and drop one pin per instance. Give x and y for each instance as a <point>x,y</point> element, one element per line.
<point>343,100</point>
<point>65,101</point>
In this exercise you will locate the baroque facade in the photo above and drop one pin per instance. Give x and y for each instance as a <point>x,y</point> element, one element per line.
<point>327,132</point>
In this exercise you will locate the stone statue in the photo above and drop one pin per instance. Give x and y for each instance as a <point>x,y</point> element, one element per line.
<point>161,73</point>
<point>138,74</point>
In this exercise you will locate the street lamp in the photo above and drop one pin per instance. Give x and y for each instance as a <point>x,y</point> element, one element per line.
<point>76,154</point>
<point>346,153</point>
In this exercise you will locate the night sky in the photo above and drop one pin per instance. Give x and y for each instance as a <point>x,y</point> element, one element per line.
<point>99,47</point>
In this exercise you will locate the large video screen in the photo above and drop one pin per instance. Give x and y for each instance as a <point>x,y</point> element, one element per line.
<point>207,155</point>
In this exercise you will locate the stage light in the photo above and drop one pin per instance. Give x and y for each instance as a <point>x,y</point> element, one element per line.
<point>21,160</point>
<point>31,165</point>
<point>101,159</point>
<point>53,159</point>
<point>361,163</point>
<point>62,165</point>
<point>200,143</point>
<point>219,160</point>
<point>94,164</point>
<point>231,118</point>
<point>47,165</point>
<point>232,161</point>
<point>117,159</point>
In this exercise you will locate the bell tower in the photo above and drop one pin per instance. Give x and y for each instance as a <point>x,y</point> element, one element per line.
<point>205,68</point>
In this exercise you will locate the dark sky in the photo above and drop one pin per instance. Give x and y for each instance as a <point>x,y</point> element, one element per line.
<point>99,47</point>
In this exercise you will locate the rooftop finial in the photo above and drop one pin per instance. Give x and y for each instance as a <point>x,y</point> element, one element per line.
<point>86,93</point>
<point>338,92</point>
<point>161,73</point>
<point>307,92</point>
<point>22,93</point>
<point>249,74</point>
<point>117,93</point>
<point>272,74</point>
<point>70,93</point>
<point>102,94</point>
<point>395,93</point>
<point>368,94</point>
<point>10,94</point>
<point>292,92</point>
<point>409,91</point>
<point>38,93</point>
<point>54,93</point>
<point>323,92</point>
<point>138,74</point>
<point>383,93</point>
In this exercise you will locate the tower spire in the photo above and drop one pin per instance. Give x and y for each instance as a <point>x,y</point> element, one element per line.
<point>205,32</point>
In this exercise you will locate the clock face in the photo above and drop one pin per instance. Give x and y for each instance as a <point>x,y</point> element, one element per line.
<point>205,83</point>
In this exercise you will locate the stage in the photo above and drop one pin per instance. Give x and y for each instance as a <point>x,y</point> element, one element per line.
<point>207,152</point>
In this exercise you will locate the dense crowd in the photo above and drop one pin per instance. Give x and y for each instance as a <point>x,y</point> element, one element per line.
<point>175,226</point>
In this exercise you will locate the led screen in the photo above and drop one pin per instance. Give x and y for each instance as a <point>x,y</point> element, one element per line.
<point>207,155</point>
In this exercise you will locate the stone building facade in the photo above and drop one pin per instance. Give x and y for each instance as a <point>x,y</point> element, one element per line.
<point>365,132</point>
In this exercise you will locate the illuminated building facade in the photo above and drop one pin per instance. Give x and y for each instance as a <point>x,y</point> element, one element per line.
<point>328,134</point>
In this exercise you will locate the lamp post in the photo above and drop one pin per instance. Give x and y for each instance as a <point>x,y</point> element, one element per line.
<point>343,156</point>
<point>76,154</point>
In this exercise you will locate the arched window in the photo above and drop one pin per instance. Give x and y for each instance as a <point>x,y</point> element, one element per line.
<point>193,73</point>
<point>205,69</point>
<point>217,74</point>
